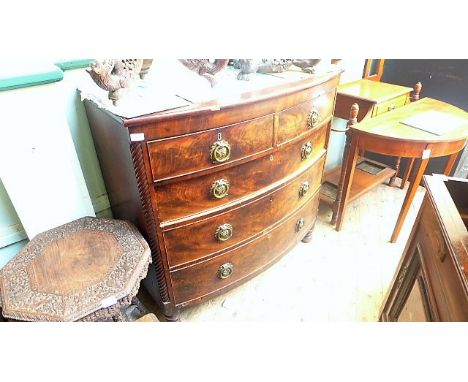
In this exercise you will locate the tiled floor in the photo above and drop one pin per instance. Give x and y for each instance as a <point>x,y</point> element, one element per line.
<point>338,276</point>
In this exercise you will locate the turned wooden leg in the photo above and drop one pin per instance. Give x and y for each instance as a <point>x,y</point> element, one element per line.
<point>417,90</point>
<point>339,193</point>
<point>397,168</point>
<point>352,121</point>
<point>407,173</point>
<point>174,317</point>
<point>451,161</point>
<point>345,187</point>
<point>308,237</point>
<point>408,199</point>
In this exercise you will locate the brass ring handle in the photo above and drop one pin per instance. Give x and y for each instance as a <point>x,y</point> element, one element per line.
<point>312,118</point>
<point>306,150</point>
<point>300,224</point>
<point>225,271</point>
<point>220,151</point>
<point>303,189</point>
<point>220,188</point>
<point>224,232</point>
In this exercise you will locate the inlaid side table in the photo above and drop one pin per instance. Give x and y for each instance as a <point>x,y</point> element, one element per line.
<point>421,130</point>
<point>86,270</point>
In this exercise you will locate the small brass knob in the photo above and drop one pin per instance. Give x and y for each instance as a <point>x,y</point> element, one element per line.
<point>220,188</point>
<point>312,118</point>
<point>306,150</point>
<point>220,151</point>
<point>304,189</point>
<point>299,224</point>
<point>391,107</point>
<point>224,232</point>
<point>225,271</point>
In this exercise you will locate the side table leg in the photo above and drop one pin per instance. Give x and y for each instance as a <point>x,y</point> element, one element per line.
<point>408,199</point>
<point>407,173</point>
<point>391,183</point>
<point>353,113</point>
<point>450,163</point>
<point>345,187</point>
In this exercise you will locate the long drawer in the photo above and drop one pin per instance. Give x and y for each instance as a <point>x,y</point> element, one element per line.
<point>199,151</point>
<point>203,238</point>
<point>204,193</point>
<point>210,276</point>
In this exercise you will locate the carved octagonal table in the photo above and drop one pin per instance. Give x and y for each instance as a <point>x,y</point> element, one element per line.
<point>86,270</point>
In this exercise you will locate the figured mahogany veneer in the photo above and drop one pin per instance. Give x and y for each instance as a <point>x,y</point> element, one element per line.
<point>197,281</point>
<point>197,240</point>
<point>220,189</point>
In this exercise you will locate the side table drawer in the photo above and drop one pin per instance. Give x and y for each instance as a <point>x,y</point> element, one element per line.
<point>210,276</point>
<point>390,105</point>
<point>203,238</point>
<point>185,154</point>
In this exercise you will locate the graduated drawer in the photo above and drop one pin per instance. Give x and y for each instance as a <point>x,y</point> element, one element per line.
<point>190,153</point>
<point>212,275</point>
<point>203,238</point>
<point>189,197</point>
<point>390,105</point>
<point>305,116</point>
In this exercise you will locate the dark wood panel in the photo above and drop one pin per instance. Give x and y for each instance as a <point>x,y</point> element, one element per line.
<point>197,240</point>
<point>202,279</point>
<point>192,153</point>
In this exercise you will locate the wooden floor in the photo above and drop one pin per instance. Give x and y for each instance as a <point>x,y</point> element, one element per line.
<point>338,276</point>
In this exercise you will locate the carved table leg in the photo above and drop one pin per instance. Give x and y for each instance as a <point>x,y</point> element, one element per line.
<point>397,168</point>
<point>308,237</point>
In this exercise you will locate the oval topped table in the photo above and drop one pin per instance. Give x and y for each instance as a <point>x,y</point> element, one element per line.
<point>388,135</point>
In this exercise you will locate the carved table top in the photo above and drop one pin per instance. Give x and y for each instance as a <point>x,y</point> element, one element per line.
<point>74,270</point>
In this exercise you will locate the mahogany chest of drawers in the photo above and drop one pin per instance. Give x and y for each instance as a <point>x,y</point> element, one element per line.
<point>220,189</point>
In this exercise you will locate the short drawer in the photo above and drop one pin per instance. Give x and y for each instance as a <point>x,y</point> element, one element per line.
<point>390,105</point>
<point>203,278</point>
<point>182,155</point>
<point>299,119</point>
<point>197,195</point>
<point>203,238</point>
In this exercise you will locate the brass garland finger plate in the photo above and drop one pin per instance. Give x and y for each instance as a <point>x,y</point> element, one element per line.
<point>306,150</point>
<point>224,232</point>
<point>300,224</point>
<point>220,188</point>
<point>312,118</point>
<point>225,271</point>
<point>304,189</point>
<point>220,151</point>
